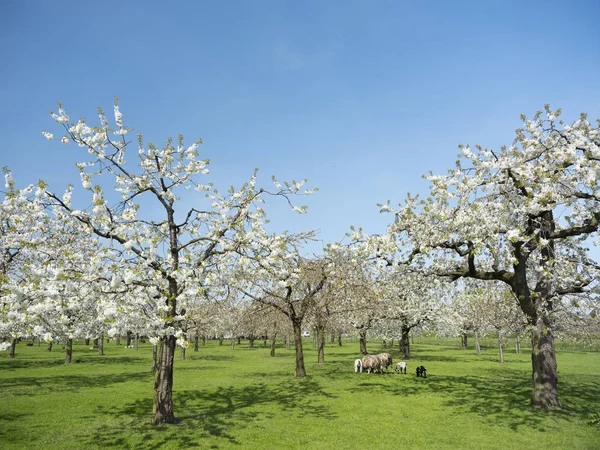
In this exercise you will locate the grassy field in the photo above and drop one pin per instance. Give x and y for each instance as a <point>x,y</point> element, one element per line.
<point>245,399</point>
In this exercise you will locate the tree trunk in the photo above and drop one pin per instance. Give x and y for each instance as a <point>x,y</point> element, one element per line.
<point>163,382</point>
<point>300,371</point>
<point>196,339</point>
<point>101,345</point>
<point>137,341</point>
<point>154,357</point>
<point>12,349</point>
<point>232,343</point>
<point>501,349</point>
<point>69,351</point>
<point>463,341</point>
<point>332,337</point>
<point>49,348</point>
<point>320,345</point>
<point>543,359</point>
<point>87,341</point>
<point>118,340</point>
<point>273,340</point>
<point>251,341</point>
<point>340,339</point>
<point>182,353</point>
<point>129,333</point>
<point>220,340</point>
<point>518,344</point>
<point>384,343</point>
<point>543,354</point>
<point>203,340</point>
<point>405,343</point>
<point>239,340</point>
<point>363,341</point>
<point>477,345</point>
<point>288,342</point>
<point>95,343</point>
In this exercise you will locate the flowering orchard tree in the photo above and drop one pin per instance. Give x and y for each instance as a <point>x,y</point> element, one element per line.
<point>411,299</point>
<point>579,320</point>
<point>359,300</point>
<point>22,222</point>
<point>157,244</point>
<point>276,274</point>
<point>66,284</point>
<point>519,215</point>
<point>503,316</point>
<point>464,311</point>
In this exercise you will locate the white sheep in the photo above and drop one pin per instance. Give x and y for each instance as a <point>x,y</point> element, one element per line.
<point>400,367</point>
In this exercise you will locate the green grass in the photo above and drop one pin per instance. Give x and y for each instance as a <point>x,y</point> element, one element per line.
<point>245,399</point>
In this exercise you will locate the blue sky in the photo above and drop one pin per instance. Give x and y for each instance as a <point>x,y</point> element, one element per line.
<point>360,97</point>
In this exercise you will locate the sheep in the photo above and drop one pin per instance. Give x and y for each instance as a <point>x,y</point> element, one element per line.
<point>400,367</point>
<point>386,360</point>
<point>376,363</point>
<point>358,366</point>
<point>421,372</point>
<point>371,363</point>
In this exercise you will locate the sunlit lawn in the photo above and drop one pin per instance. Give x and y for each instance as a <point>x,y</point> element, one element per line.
<point>245,399</point>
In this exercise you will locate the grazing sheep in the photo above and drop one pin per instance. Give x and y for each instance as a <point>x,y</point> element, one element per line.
<point>371,363</point>
<point>386,360</point>
<point>421,372</point>
<point>357,366</point>
<point>400,367</point>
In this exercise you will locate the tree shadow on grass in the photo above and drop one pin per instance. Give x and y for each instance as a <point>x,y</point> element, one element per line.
<point>32,363</point>
<point>425,357</point>
<point>197,356</point>
<point>502,397</point>
<point>72,383</point>
<point>214,414</point>
<point>9,430</point>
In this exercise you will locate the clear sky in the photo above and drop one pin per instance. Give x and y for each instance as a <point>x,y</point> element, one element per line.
<point>360,97</point>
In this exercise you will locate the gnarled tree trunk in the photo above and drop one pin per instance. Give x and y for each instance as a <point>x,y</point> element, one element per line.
<point>543,361</point>
<point>405,343</point>
<point>300,370</point>
<point>163,382</point>
<point>362,339</point>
